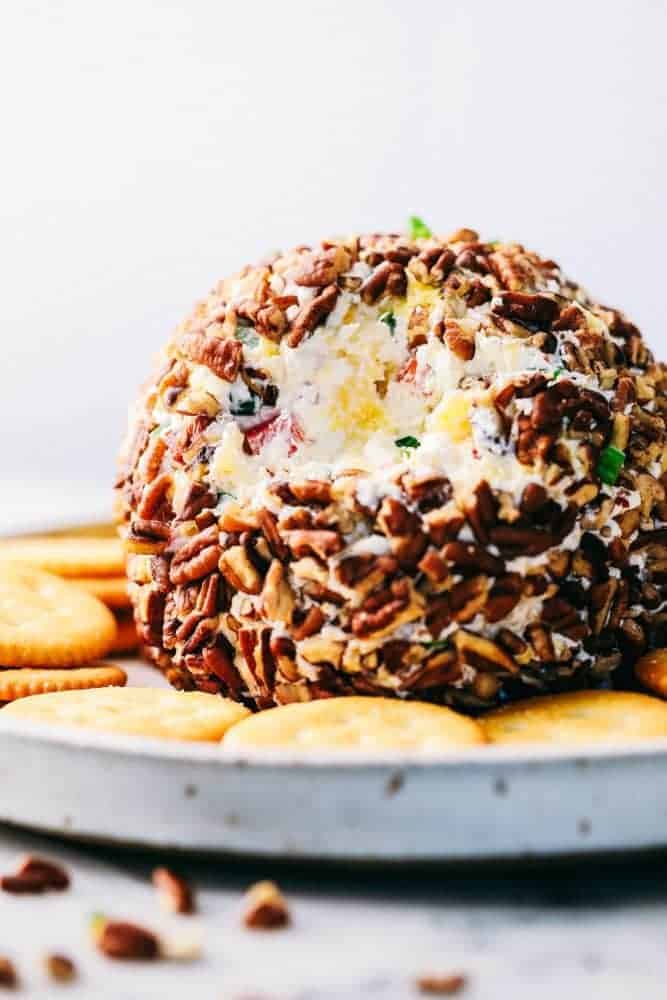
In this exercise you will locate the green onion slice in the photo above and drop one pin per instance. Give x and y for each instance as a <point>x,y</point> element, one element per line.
<point>418,228</point>
<point>610,464</point>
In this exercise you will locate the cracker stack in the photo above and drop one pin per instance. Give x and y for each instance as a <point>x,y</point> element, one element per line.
<point>63,605</point>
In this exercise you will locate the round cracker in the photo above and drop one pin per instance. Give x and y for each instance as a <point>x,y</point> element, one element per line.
<point>29,681</point>
<point>66,555</point>
<point>356,724</point>
<point>153,712</point>
<point>651,671</point>
<point>110,590</point>
<point>47,622</point>
<point>579,717</point>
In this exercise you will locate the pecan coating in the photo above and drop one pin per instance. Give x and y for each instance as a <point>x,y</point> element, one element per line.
<point>454,489</point>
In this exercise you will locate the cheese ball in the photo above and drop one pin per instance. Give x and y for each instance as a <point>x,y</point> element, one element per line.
<point>425,467</point>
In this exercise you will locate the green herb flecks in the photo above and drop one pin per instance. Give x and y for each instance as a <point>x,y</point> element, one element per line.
<point>437,645</point>
<point>610,464</point>
<point>243,406</point>
<point>556,374</point>
<point>247,336</point>
<point>407,442</point>
<point>389,320</point>
<point>418,228</point>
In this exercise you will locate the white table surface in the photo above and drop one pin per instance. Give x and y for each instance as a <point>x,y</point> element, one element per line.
<point>570,931</point>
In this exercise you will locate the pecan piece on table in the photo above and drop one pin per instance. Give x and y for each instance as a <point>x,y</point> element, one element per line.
<point>442,986</point>
<point>265,907</point>
<point>222,357</point>
<point>174,892</point>
<point>125,941</point>
<point>35,875</point>
<point>8,975</point>
<point>60,968</point>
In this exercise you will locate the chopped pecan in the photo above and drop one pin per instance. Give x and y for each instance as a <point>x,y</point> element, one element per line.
<point>255,645</point>
<point>312,491</point>
<point>418,326</point>
<point>460,342</point>
<point>651,492</point>
<point>470,558</point>
<point>533,498</point>
<point>305,625</point>
<point>438,614</point>
<point>60,968</point>
<point>265,907</point>
<point>388,277</point>
<point>311,315</point>
<point>514,541</point>
<point>277,595</point>
<point>395,519</point>
<point>219,660</point>
<point>444,525</point>
<point>271,319</point>
<point>318,649</point>
<point>35,875</point>
<point>432,265</point>
<point>155,497</point>
<point>472,261</point>
<point>121,940</point>
<point>380,609</point>
<point>503,597</point>
<point>151,460</point>
<point>319,542</point>
<point>175,894</point>
<point>8,975</point>
<point>283,651</point>
<point>477,293</point>
<point>149,611</point>
<point>324,268</point>
<point>222,357</point>
<point>204,631</point>
<point>602,596</point>
<point>200,565</point>
<point>434,566</point>
<point>481,511</point>
<point>536,312</point>
<point>482,653</point>
<point>237,567</point>
<point>196,499</point>
<point>447,985</point>
<point>467,598</point>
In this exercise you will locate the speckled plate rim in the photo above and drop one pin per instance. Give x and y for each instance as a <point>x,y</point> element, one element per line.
<point>479,803</point>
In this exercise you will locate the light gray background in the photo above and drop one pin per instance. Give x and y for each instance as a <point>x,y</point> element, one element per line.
<point>150,147</point>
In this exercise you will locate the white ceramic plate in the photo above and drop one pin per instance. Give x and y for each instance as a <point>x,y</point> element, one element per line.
<point>483,803</point>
